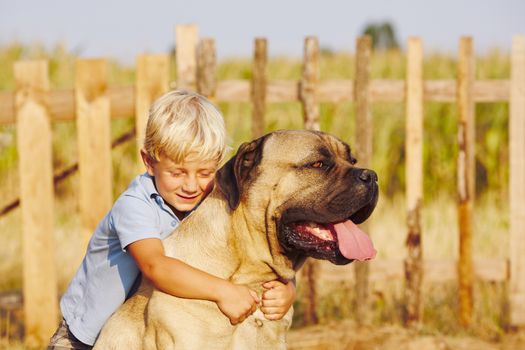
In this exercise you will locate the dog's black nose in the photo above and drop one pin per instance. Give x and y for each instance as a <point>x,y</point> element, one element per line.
<point>368,176</point>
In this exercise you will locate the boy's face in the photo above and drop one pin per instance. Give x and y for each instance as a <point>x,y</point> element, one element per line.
<point>181,185</point>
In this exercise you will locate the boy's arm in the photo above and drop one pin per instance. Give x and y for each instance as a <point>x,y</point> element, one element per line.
<point>175,277</point>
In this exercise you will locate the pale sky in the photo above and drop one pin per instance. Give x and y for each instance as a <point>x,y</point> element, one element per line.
<point>125,29</point>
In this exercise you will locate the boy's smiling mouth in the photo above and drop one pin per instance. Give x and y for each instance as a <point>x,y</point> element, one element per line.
<point>188,197</point>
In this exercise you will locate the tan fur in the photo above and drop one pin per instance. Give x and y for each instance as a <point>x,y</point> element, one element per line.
<point>239,245</point>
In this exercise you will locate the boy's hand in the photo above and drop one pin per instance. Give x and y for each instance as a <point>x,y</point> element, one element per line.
<point>277,299</point>
<point>237,302</point>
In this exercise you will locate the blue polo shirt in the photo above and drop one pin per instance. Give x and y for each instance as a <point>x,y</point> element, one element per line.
<point>108,271</point>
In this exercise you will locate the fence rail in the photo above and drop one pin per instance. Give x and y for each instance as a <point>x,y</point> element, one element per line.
<point>92,102</point>
<point>122,98</point>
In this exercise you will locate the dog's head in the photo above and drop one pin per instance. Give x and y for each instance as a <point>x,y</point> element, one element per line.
<point>308,189</point>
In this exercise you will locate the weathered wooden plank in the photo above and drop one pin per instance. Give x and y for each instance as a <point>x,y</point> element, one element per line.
<point>283,91</point>
<point>363,147</point>
<point>309,97</point>
<point>121,101</point>
<point>440,90</point>
<point>466,176</point>
<point>207,68</point>
<point>258,87</point>
<point>151,82</point>
<point>517,182</point>
<point>491,90</point>
<point>62,106</point>
<point>381,90</point>
<point>414,181</point>
<point>34,145</point>
<point>186,37</point>
<point>309,84</point>
<point>7,107</point>
<point>387,90</point>
<point>336,91</point>
<point>233,91</point>
<point>94,143</point>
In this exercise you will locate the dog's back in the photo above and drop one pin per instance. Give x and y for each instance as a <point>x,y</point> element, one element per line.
<point>126,327</point>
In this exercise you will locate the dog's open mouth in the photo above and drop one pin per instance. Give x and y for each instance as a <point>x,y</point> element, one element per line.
<point>353,243</point>
<point>334,234</point>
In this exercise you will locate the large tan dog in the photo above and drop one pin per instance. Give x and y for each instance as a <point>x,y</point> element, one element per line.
<point>281,198</point>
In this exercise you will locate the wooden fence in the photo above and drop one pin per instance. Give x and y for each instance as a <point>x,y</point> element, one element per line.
<point>92,103</point>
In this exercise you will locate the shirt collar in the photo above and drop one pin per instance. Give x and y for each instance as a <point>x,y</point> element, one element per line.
<point>148,182</point>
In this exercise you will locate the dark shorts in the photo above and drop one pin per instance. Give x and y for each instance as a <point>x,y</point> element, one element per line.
<point>64,339</point>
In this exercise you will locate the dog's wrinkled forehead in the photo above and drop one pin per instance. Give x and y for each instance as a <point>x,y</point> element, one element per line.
<point>300,145</point>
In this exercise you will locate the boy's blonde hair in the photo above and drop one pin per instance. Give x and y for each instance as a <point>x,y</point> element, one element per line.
<point>184,124</point>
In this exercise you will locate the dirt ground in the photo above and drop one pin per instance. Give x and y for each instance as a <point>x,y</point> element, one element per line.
<point>347,335</point>
<point>340,335</point>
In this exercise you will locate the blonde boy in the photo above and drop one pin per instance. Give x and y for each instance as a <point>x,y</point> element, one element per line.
<point>184,145</point>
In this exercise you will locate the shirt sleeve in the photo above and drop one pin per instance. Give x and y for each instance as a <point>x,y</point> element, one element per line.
<point>134,219</point>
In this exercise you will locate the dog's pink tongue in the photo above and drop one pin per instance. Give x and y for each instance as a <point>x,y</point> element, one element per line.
<point>354,244</point>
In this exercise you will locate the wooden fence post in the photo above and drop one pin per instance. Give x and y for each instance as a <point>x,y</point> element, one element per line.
<point>94,143</point>
<point>309,85</point>
<point>186,37</point>
<point>308,95</point>
<point>466,176</point>
<point>206,68</point>
<point>258,87</point>
<point>36,200</point>
<point>517,182</point>
<point>414,181</point>
<point>151,82</point>
<point>363,148</point>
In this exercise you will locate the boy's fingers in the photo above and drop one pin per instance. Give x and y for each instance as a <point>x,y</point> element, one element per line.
<point>272,313</point>
<point>255,296</point>
<point>273,317</point>
<point>271,310</point>
<point>272,294</point>
<point>271,284</point>
<point>271,302</point>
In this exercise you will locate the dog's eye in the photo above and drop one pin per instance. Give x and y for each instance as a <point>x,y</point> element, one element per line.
<point>317,164</point>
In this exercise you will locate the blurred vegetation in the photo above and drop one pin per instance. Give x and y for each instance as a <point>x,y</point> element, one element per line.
<point>440,123</point>
<point>388,224</point>
<point>337,300</point>
<point>383,35</point>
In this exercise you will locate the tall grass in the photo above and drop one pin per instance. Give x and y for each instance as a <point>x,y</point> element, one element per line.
<point>388,222</point>
<point>337,300</point>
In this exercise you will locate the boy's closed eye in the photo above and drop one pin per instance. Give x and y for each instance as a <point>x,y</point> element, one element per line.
<point>206,174</point>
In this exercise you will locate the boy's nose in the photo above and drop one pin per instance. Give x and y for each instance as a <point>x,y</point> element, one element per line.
<point>190,185</point>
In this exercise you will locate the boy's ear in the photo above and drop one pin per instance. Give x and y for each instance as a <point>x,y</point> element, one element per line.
<point>148,162</point>
<point>236,173</point>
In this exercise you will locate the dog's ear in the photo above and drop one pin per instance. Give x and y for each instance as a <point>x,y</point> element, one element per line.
<point>233,176</point>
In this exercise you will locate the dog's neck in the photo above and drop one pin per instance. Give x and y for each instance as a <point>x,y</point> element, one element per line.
<point>201,240</point>
<point>228,244</point>
<point>254,236</point>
